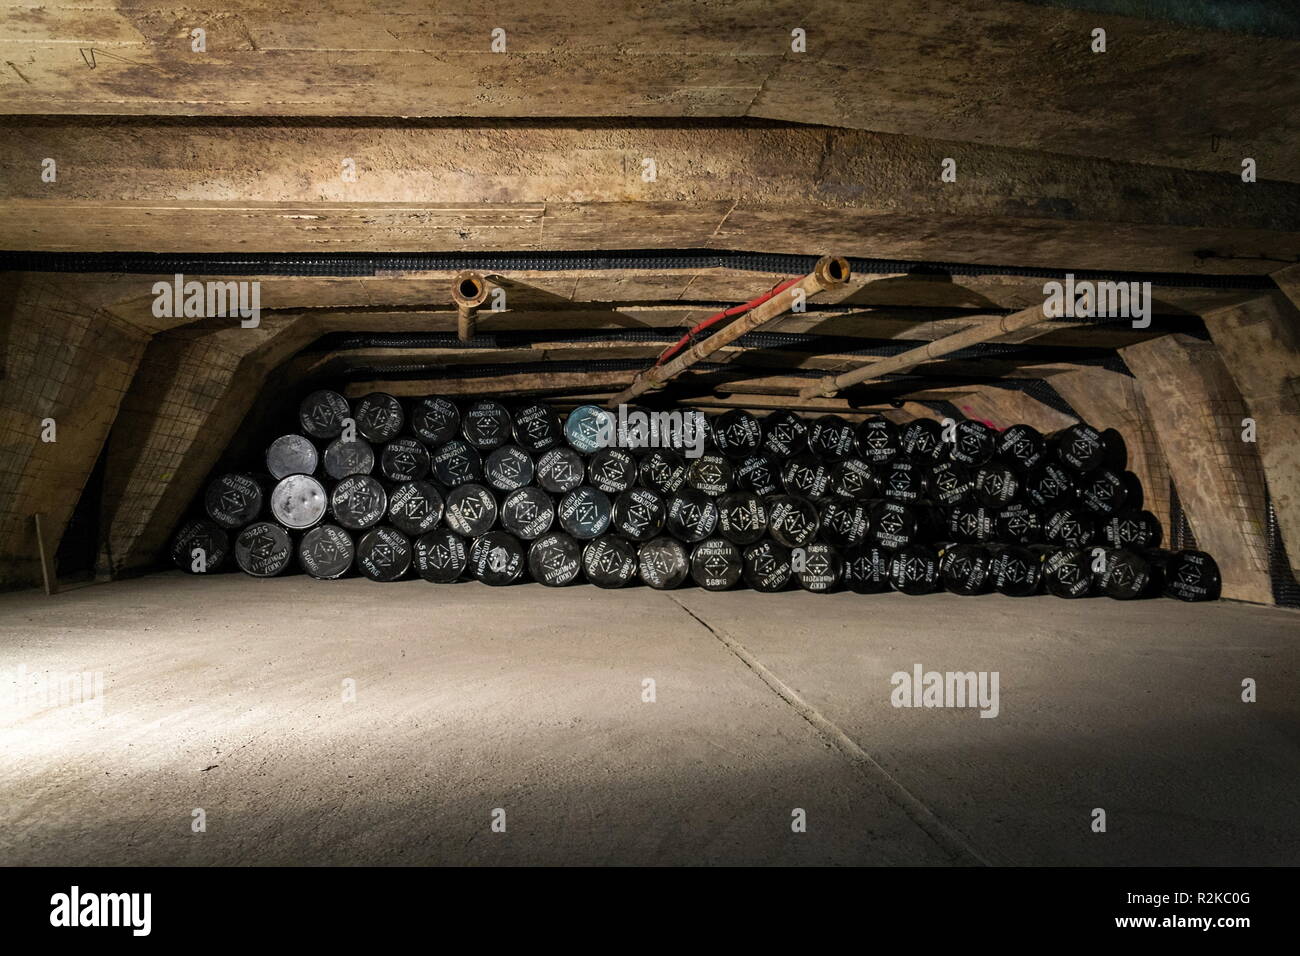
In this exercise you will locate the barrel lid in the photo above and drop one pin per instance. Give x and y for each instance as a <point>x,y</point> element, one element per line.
<point>470,510</point>
<point>996,485</point>
<point>527,513</point>
<point>537,427</point>
<point>878,440</point>
<point>508,467</point>
<point>742,517</point>
<point>379,417</point>
<point>384,554</point>
<point>709,473</point>
<point>832,438</point>
<point>663,470</point>
<point>326,551</point>
<point>440,556</point>
<point>322,412</point>
<point>716,564</point>
<point>291,455</point>
<point>964,568</point>
<point>1021,446</point>
<point>759,474</point>
<point>298,501</point>
<point>1067,572</point>
<point>609,561</point>
<point>692,515</point>
<point>737,434</point>
<point>612,470</point>
<point>589,428</point>
<point>435,420</point>
<point>663,563</point>
<point>358,502</point>
<point>233,500</point>
<point>456,463</point>
<point>784,434</point>
<point>766,566</point>
<point>854,478</point>
<point>844,521</point>
<point>914,569</point>
<point>792,520</point>
<point>205,535</point>
<point>1192,576</point>
<point>496,558</point>
<point>819,569</point>
<point>921,439</point>
<point>973,442</point>
<point>560,470</point>
<point>638,514</point>
<point>584,512</point>
<point>486,425</point>
<point>415,507</point>
<point>555,559</point>
<point>263,549</point>
<point>404,459</point>
<point>865,570</point>
<point>806,474</point>
<point>345,458</point>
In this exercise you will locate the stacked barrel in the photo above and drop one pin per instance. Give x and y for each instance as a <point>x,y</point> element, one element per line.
<point>445,491</point>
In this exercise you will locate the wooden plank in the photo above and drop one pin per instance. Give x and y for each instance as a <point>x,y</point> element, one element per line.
<point>194,387</point>
<point>1260,344</point>
<point>1196,411</point>
<point>49,577</point>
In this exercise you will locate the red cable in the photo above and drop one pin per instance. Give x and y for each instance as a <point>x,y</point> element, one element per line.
<point>681,343</point>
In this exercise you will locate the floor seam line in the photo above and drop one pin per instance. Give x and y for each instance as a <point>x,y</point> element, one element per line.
<point>948,839</point>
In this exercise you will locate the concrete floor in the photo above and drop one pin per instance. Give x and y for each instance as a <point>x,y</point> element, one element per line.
<point>226,694</point>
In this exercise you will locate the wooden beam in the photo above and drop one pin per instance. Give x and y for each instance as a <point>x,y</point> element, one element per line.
<point>68,361</point>
<point>985,331</point>
<point>49,576</point>
<point>1260,344</point>
<point>1196,411</point>
<point>194,387</point>
<point>459,186</point>
<point>1288,280</point>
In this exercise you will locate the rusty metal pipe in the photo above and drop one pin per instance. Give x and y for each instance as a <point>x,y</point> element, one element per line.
<point>469,290</point>
<point>829,273</point>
